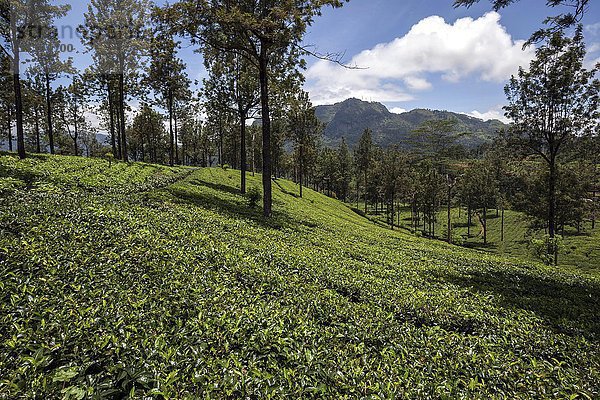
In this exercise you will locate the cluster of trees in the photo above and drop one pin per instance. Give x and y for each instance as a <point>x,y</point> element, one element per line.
<point>252,50</point>
<point>545,164</point>
<point>253,54</point>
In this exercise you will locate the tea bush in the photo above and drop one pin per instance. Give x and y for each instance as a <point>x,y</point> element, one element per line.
<point>152,282</point>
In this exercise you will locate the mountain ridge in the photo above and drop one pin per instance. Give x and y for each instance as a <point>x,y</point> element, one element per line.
<point>348,119</point>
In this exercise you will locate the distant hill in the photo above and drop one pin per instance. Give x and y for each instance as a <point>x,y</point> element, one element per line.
<point>351,117</point>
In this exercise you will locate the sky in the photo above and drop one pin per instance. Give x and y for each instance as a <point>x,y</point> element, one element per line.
<point>410,54</point>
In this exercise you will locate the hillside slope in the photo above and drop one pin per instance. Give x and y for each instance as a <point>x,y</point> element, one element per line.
<point>351,117</point>
<point>140,280</point>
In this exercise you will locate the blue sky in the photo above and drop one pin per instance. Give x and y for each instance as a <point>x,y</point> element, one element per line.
<point>413,54</point>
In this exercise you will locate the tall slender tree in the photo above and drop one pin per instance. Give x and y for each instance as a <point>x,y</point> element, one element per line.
<point>166,75</point>
<point>551,104</point>
<point>304,128</point>
<point>7,102</point>
<point>46,54</point>
<point>71,110</point>
<point>22,23</point>
<point>364,157</point>
<point>117,32</point>
<point>264,32</point>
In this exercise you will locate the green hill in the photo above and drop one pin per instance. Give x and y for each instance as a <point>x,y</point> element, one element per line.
<point>351,117</point>
<point>146,281</point>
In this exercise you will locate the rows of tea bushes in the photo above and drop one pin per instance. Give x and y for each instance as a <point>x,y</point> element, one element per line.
<point>45,173</point>
<point>185,291</point>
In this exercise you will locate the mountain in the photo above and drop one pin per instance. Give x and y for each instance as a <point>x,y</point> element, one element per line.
<point>351,117</point>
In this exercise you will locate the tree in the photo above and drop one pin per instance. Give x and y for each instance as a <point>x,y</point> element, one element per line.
<point>345,170</point>
<point>116,31</point>
<point>166,75</point>
<point>22,23</point>
<point>550,105</point>
<point>263,32</point>
<point>71,109</point>
<point>478,189</point>
<point>431,189</point>
<point>391,174</point>
<point>148,136</point>
<point>217,107</point>
<point>434,137</point>
<point>233,86</point>
<point>363,157</point>
<point>46,54</point>
<point>305,129</point>
<point>7,103</point>
<point>33,101</point>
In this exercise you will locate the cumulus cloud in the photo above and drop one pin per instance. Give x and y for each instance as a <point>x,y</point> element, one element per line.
<point>593,29</point>
<point>494,113</point>
<point>395,71</point>
<point>398,110</point>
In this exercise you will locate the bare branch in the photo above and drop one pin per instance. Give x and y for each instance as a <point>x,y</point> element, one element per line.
<point>6,52</point>
<point>336,58</point>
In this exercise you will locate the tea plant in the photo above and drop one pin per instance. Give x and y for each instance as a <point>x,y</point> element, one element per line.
<point>153,282</point>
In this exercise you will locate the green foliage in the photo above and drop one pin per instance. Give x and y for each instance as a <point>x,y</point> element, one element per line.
<point>546,248</point>
<point>147,281</point>
<point>254,196</point>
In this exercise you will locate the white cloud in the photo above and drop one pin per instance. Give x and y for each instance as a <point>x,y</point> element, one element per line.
<point>494,113</point>
<point>398,110</point>
<point>593,54</point>
<point>392,72</point>
<point>593,29</point>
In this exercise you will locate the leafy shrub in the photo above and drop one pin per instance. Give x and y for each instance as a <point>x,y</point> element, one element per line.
<point>546,247</point>
<point>109,156</point>
<point>457,238</point>
<point>254,196</point>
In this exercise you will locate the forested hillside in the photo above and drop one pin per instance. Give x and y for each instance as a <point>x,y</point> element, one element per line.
<point>142,280</point>
<point>350,118</point>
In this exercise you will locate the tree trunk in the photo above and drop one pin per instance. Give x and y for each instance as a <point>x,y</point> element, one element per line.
<point>266,132</point>
<point>253,152</point>
<point>301,169</point>
<point>242,114</point>
<point>49,114</point>
<point>357,191</point>
<point>171,137</point>
<point>552,208</point>
<point>9,126</point>
<point>449,216</point>
<point>365,191</point>
<point>502,226</point>
<point>392,211</point>
<point>118,132</point>
<point>552,199</point>
<point>176,138</point>
<point>37,130</point>
<point>469,220</point>
<point>111,117</point>
<point>122,113</point>
<point>17,89</point>
<point>485,224</point>
<point>75,133</point>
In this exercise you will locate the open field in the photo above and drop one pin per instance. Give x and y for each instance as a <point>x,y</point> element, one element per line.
<point>581,251</point>
<point>145,281</point>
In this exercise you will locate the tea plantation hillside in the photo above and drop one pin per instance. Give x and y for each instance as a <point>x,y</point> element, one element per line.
<point>141,281</point>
